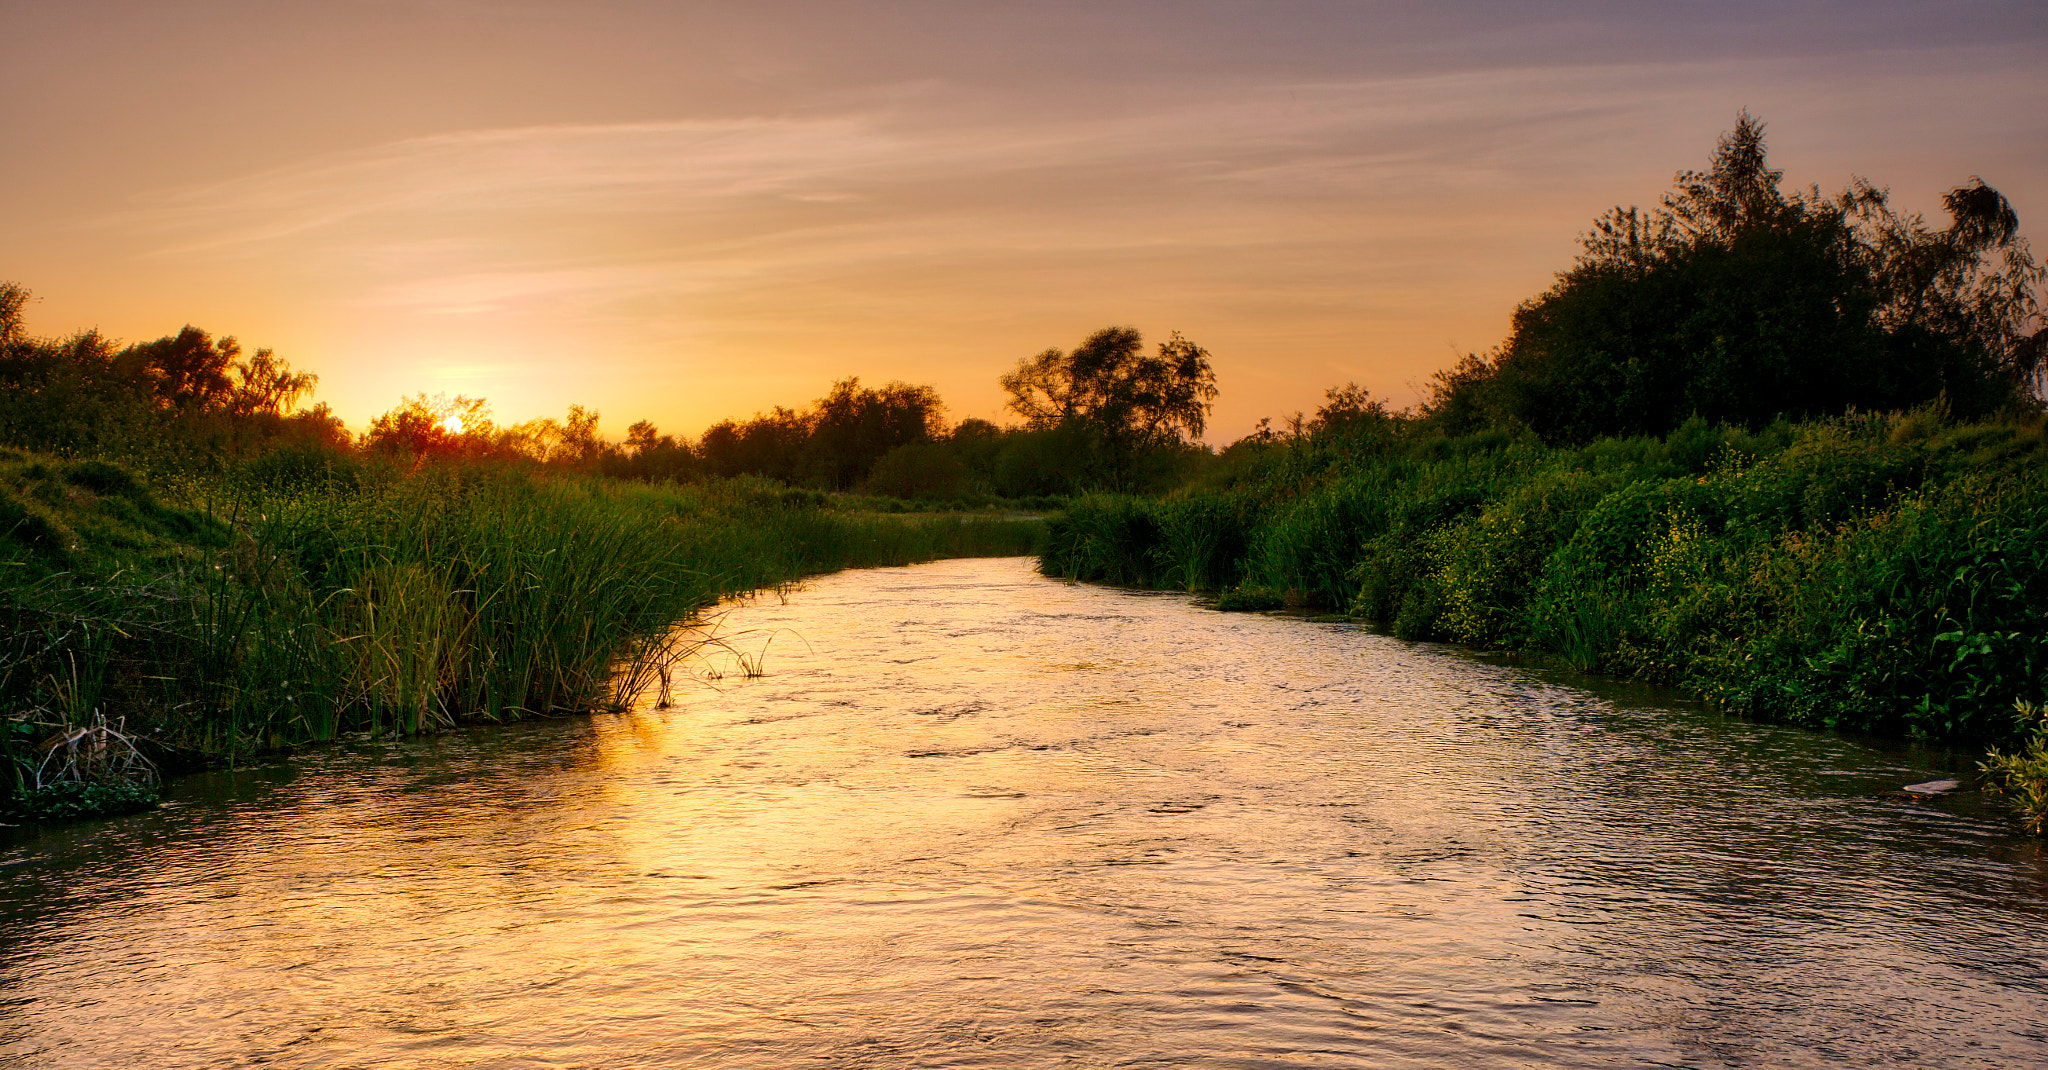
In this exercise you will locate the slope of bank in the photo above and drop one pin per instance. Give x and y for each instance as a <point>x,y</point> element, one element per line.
<point>147,623</point>
<point>1883,574</point>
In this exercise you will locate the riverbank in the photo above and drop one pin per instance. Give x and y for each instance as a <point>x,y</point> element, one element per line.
<point>187,619</point>
<point>983,817</point>
<point>1879,574</point>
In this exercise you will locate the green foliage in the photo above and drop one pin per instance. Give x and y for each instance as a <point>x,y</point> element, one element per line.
<point>1248,600</point>
<point>72,800</point>
<point>1878,574</point>
<point>1205,539</point>
<point>1735,303</point>
<point>1108,538</point>
<point>56,515</point>
<point>919,470</point>
<point>2022,776</point>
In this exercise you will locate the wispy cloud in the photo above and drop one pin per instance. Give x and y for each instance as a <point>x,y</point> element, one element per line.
<point>471,219</point>
<point>1296,209</point>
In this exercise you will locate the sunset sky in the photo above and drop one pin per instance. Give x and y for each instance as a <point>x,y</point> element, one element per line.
<point>686,211</point>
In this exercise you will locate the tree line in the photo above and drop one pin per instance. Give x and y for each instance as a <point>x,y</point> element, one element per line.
<point>189,391</point>
<point>1108,415</point>
<point>1732,302</point>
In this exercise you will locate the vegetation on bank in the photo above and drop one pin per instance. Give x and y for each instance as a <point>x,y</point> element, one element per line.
<point>1783,450</point>
<point>2022,774</point>
<point>192,569</point>
<point>1738,302</point>
<point>287,600</point>
<point>1881,573</point>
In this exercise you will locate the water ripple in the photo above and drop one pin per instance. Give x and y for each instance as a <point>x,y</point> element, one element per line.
<point>978,818</point>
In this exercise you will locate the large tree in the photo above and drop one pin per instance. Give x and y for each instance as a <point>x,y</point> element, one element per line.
<point>1738,302</point>
<point>853,427</point>
<point>1115,399</point>
<point>1115,402</point>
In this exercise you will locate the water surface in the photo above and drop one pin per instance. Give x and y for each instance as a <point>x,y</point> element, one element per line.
<point>973,817</point>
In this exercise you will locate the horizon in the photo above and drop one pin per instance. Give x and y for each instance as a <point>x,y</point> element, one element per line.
<point>696,215</point>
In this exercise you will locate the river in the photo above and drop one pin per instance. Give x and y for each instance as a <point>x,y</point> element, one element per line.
<point>974,817</point>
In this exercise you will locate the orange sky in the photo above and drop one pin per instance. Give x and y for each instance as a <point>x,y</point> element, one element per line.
<point>682,212</point>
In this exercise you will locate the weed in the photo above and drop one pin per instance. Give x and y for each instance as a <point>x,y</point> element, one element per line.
<point>2022,776</point>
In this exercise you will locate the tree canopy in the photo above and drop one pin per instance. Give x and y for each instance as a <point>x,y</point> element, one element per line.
<point>1109,383</point>
<point>86,392</point>
<point>1113,399</point>
<point>1737,302</point>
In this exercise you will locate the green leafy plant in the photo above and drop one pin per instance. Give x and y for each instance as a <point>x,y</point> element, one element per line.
<point>73,800</point>
<point>2022,775</point>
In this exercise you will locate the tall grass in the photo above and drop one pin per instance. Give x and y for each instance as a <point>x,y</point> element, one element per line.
<point>249,612</point>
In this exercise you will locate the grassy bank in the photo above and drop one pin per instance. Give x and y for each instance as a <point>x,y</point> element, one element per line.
<point>292,598</point>
<point>1883,574</point>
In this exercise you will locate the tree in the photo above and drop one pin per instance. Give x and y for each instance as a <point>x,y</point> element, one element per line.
<point>187,372</point>
<point>265,383</point>
<point>1736,302</point>
<point>1123,402</point>
<point>853,428</point>
<point>438,425</point>
<point>925,469</point>
<point>1349,410</point>
<point>771,444</point>
<point>643,437</point>
<point>187,392</point>
<point>13,300</point>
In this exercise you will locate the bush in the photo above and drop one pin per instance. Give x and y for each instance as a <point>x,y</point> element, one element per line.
<point>1838,574</point>
<point>919,470</point>
<point>2022,776</point>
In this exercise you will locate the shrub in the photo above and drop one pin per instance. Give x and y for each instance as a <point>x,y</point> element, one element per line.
<point>2022,776</point>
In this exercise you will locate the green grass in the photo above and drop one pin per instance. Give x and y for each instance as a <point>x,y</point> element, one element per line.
<point>245,611</point>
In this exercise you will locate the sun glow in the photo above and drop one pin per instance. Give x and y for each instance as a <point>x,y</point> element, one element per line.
<point>452,425</point>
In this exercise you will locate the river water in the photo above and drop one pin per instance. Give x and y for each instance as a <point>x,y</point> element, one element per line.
<point>974,817</point>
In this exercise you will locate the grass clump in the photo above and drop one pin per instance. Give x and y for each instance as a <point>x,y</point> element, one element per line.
<point>1248,600</point>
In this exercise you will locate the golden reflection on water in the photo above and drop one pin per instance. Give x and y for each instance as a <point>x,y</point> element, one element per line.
<point>973,817</point>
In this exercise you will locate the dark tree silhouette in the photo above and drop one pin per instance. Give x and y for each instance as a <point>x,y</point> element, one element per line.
<point>1108,382</point>
<point>1738,303</point>
<point>1117,401</point>
<point>853,428</point>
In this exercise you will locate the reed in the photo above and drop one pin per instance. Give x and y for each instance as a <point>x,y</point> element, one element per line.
<point>224,616</point>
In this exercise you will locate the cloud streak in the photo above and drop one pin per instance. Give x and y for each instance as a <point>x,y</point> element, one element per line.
<point>1329,218</point>
<point>635,205</point>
